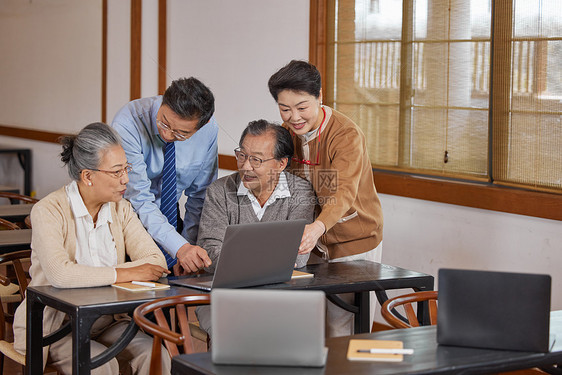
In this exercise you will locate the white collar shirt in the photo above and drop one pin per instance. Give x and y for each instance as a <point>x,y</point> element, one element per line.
<point>94,243</point>
<point>280,191</point>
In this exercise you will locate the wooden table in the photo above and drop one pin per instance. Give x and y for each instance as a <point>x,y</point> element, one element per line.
<point>14,240</point>
<point>85,305</point>
<point>428,357</point>
<point>15,212</point>
<point>360,278</point>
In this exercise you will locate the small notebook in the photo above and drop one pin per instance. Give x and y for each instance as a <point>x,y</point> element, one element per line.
<point>301,275</point>
<point>140,288</point>
<point>355,345</point>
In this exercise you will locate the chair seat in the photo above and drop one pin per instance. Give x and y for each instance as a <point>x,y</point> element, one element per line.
<point>8,349</point>
<point>10,293</point>
<point>8,290</point>
<point>13,298</point>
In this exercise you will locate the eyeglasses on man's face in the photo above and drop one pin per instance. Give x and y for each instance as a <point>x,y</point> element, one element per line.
<point>255,162</point>
<point>118,173</point>
<point>177,135</point>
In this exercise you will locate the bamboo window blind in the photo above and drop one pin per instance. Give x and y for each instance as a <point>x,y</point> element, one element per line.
<point>455,88</point>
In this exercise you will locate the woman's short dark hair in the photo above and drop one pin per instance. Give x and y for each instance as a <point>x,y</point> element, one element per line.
<point>283,141</point>
<point>85,150</point>
<point>298,75</point>
<point>190,99</point>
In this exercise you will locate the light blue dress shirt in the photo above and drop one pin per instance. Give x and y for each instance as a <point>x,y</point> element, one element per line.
<point>196,168</point>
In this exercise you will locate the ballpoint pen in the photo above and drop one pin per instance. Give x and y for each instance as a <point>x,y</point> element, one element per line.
<point>386,351</point>
<point>143,283</point>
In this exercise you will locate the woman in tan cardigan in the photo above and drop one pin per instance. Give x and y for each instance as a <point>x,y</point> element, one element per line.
<point>81,235</point>
<point>331,152</point>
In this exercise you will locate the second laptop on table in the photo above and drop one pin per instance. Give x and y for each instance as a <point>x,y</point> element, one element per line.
<point>494,310</point>
<point>253,254</point>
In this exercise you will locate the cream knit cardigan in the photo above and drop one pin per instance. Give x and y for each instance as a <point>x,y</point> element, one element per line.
<point>53,245</point>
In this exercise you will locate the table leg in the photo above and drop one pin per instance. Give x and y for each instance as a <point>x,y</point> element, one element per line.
<point>117,346</point>
<point>423,308</point>
<point>34,335</point>
<point>363,316</point>
<point>82,363</point>
<point>81,326</point>
<point>360,309</point>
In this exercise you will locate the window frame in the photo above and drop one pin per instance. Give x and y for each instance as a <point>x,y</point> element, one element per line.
<point>483,195</point>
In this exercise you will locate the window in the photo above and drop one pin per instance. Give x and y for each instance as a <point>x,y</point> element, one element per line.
<point>417,77</point>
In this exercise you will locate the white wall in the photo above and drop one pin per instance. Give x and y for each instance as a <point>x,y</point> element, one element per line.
<point>50,65</point>
<point>425,236</point>
<point>234,46</point>
<point>50,74</point>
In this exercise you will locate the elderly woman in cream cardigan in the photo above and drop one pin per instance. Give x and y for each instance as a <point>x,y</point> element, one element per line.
<point>81,235</point>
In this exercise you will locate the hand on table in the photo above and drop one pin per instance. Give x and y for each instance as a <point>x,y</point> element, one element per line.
<point>191,258</point>
<point>312,233</point>
<point>144,272</point>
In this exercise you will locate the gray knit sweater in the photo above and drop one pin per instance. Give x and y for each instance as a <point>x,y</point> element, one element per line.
<point>224,207</point>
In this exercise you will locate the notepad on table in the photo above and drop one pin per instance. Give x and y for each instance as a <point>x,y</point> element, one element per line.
<point>140,288</point>
<point>301,275</point>
<point>356,346</point>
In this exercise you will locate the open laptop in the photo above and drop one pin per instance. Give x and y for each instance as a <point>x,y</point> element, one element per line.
<point>268,327</point>
<point>494,310</point>
<point>253,254</point>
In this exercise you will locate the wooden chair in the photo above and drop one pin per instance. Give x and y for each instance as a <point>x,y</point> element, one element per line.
<point>5,224</point>
<point>407,300</point>
<point>17,295</point>
<point>161,329</point>
<point>7,348</point>
<point>17,197</point>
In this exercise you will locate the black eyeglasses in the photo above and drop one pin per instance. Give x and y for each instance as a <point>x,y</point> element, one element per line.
<point>255,162</point>
<point>116,174</point>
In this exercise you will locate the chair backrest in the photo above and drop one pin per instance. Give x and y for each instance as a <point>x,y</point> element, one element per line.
<point>407,300</point>
<point>161,329</point>
<point>16,258</point>
<point>14,196</point>
<point>8,224</point>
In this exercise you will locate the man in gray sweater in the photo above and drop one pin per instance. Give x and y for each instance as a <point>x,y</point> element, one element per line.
<point>260,191</point>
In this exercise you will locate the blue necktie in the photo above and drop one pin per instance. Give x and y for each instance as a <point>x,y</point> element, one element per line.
<point>168,199</point>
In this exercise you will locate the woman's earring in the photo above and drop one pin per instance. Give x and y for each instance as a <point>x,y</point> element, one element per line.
<point>89,184</point>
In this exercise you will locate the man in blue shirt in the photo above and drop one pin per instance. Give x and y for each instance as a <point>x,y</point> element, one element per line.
<point>183,115</point>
